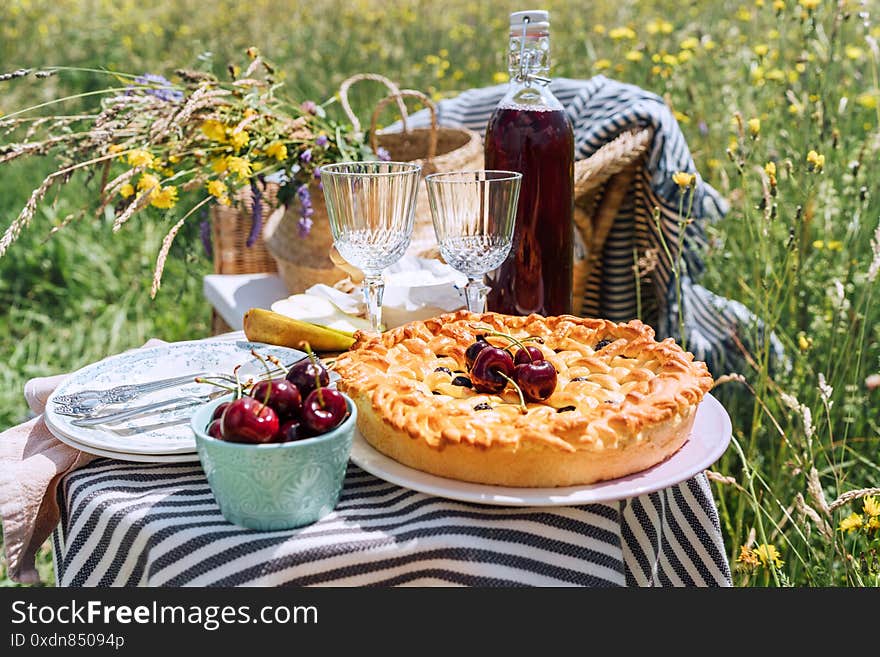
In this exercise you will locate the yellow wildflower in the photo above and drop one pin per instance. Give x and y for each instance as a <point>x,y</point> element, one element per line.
<point>713,163</point>
<point>868,100</point>
<point>219,165</point>
<point>816,161</point>
<point>115,148</point>
<point>670,60</point>
<point>164,198</point>
<point>768,554</point>
<point>762,49</point>
<point>874,523</point>
<point>681,117</point>
<point>126,190</point>
<point>499,78</point>
<point>684,179</point>
<point>835,245</point>
<point>809,5</point>
<point>174,159</point>
<point>853,523</point>
<point>804,343</point>
<point>217,188</point>
<point>253,52</point>
<point>776,75</point>
<point>770,170</point>
<point>690,43</point>
<point>778,5</point>
<point>685,56</point>
<point>620,33</point>
<point>634,56</point>
<point>239,139</point>
<point>249,112</point>
<point>224,200</point>
<point>754,126</point>
<point>854,52</point>
<point>140,158</point>
<point>148,182</point>
<point>602,64</point>
<point>708,44</point>
<point>277,150</point>
<point>871,506</point>
<point>214,130</point>
<point>748,557</point>
<point>240,166</point>
<point>598,28</point>
<point>743,14</point>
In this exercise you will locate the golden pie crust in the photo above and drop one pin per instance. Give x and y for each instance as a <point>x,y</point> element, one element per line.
<point>628,405</point>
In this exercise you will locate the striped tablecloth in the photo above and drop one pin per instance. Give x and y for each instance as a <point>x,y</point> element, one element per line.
<point>125,524</point>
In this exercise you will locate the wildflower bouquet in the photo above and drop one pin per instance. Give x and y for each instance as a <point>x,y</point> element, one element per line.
<point>154,140</point>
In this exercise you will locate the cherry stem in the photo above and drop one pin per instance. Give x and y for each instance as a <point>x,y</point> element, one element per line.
<point>514,341</point>
<point>200,379</point>
<point>522,400</point>
<point>317,373</point>
<point>268,375</point>
<point>238,390</point>
<point>277,363</point>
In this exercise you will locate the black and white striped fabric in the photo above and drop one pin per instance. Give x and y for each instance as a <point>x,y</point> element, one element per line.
<point>127,524</point>
<point>600,109</point>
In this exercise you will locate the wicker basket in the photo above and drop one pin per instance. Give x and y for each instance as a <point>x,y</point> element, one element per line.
<point>230,228</point>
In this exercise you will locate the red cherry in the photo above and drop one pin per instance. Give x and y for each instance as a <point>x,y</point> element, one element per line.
<point>213,429</point>
<point>536,380</point>
<point>490,364</point>
<point>528,354</point>
<point>283,397</point>
<point>324,409</point>
<point>291,430</point>
<point>471,353</point>
<point>247,420</point>
<point>219,410</point>
<point>304,373</point>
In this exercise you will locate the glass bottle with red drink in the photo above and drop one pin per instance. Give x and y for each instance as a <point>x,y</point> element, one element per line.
<point>531,133</point>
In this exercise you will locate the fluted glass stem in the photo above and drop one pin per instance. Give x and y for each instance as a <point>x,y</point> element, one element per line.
<point>475,293</point>
<point>374,288</point>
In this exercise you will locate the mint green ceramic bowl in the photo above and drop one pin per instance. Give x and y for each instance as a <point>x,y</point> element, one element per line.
<point>275,486</point>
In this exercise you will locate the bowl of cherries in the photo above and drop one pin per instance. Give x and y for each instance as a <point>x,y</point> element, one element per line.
<point>275,451</point>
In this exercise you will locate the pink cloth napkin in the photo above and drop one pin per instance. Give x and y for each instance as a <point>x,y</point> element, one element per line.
<point>32,464</point>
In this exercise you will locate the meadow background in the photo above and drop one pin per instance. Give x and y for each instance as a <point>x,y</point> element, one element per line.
<point>751,83</point>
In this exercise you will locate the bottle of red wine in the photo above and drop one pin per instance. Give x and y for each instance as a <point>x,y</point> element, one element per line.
<point>530,132</point>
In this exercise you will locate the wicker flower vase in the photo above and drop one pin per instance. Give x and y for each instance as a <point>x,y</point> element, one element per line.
<point>230,229</point>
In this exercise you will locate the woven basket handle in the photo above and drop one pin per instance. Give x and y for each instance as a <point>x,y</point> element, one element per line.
<point>398,96</point>
<point>375,77</point>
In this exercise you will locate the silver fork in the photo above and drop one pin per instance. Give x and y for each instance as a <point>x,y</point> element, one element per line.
<point>119,416</point>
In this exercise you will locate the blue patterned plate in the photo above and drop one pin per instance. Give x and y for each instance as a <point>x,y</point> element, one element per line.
<point>166,431</point>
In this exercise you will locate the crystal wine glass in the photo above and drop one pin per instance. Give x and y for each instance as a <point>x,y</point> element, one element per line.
<point>474,213</point>
<point>371,207</point>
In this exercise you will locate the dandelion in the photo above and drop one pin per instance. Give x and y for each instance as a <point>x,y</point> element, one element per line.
<point>115,148</point>
<point>748,557</point>
<point>768,554</point>
<point>809,5</point>
<point>126,190</point>
<point>804,343</point>
<point>851,523</point>
<point>240,166</point>
<point>634,56</point>
<point>868,100</point>
<point>147,183</point>
<point>761,49</point>
<point>691,43</point>
<point>816,161</point>
<point>164,198</point>
<point>871,506</point>
<point>621,33</point>
<point>140,158</point>
<point>684,179</point>
<point>834,245</point>
<point>778,6</point>
<point>854,52</point>
<point>277,150</point>
<point>499,78</point>
<point>214,130</point>
<point>239,139</point>
<point>754,127</point>
<point>217,188</point>
<point>770,170</point>
<point>602,64</point>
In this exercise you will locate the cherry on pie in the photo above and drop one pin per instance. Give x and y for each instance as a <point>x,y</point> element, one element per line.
<point>623,402</point>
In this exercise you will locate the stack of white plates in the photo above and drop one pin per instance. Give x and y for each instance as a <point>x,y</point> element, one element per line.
<point>162,436</point>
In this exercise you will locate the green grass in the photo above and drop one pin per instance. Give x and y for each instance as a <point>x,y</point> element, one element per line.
<point>809,77</point>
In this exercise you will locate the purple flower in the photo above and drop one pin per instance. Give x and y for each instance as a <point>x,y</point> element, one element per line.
<point>321,141</point>
<point>305,226</point>
<point>309,106</point>
<point>317,173</point>
<point>256,214</point>
<point>205,235</point>
<point>383,154</point>
<point>306,155</point>
<point>157,86</point>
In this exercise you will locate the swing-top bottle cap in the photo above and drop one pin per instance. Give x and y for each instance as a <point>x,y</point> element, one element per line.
<point>536,20</point>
